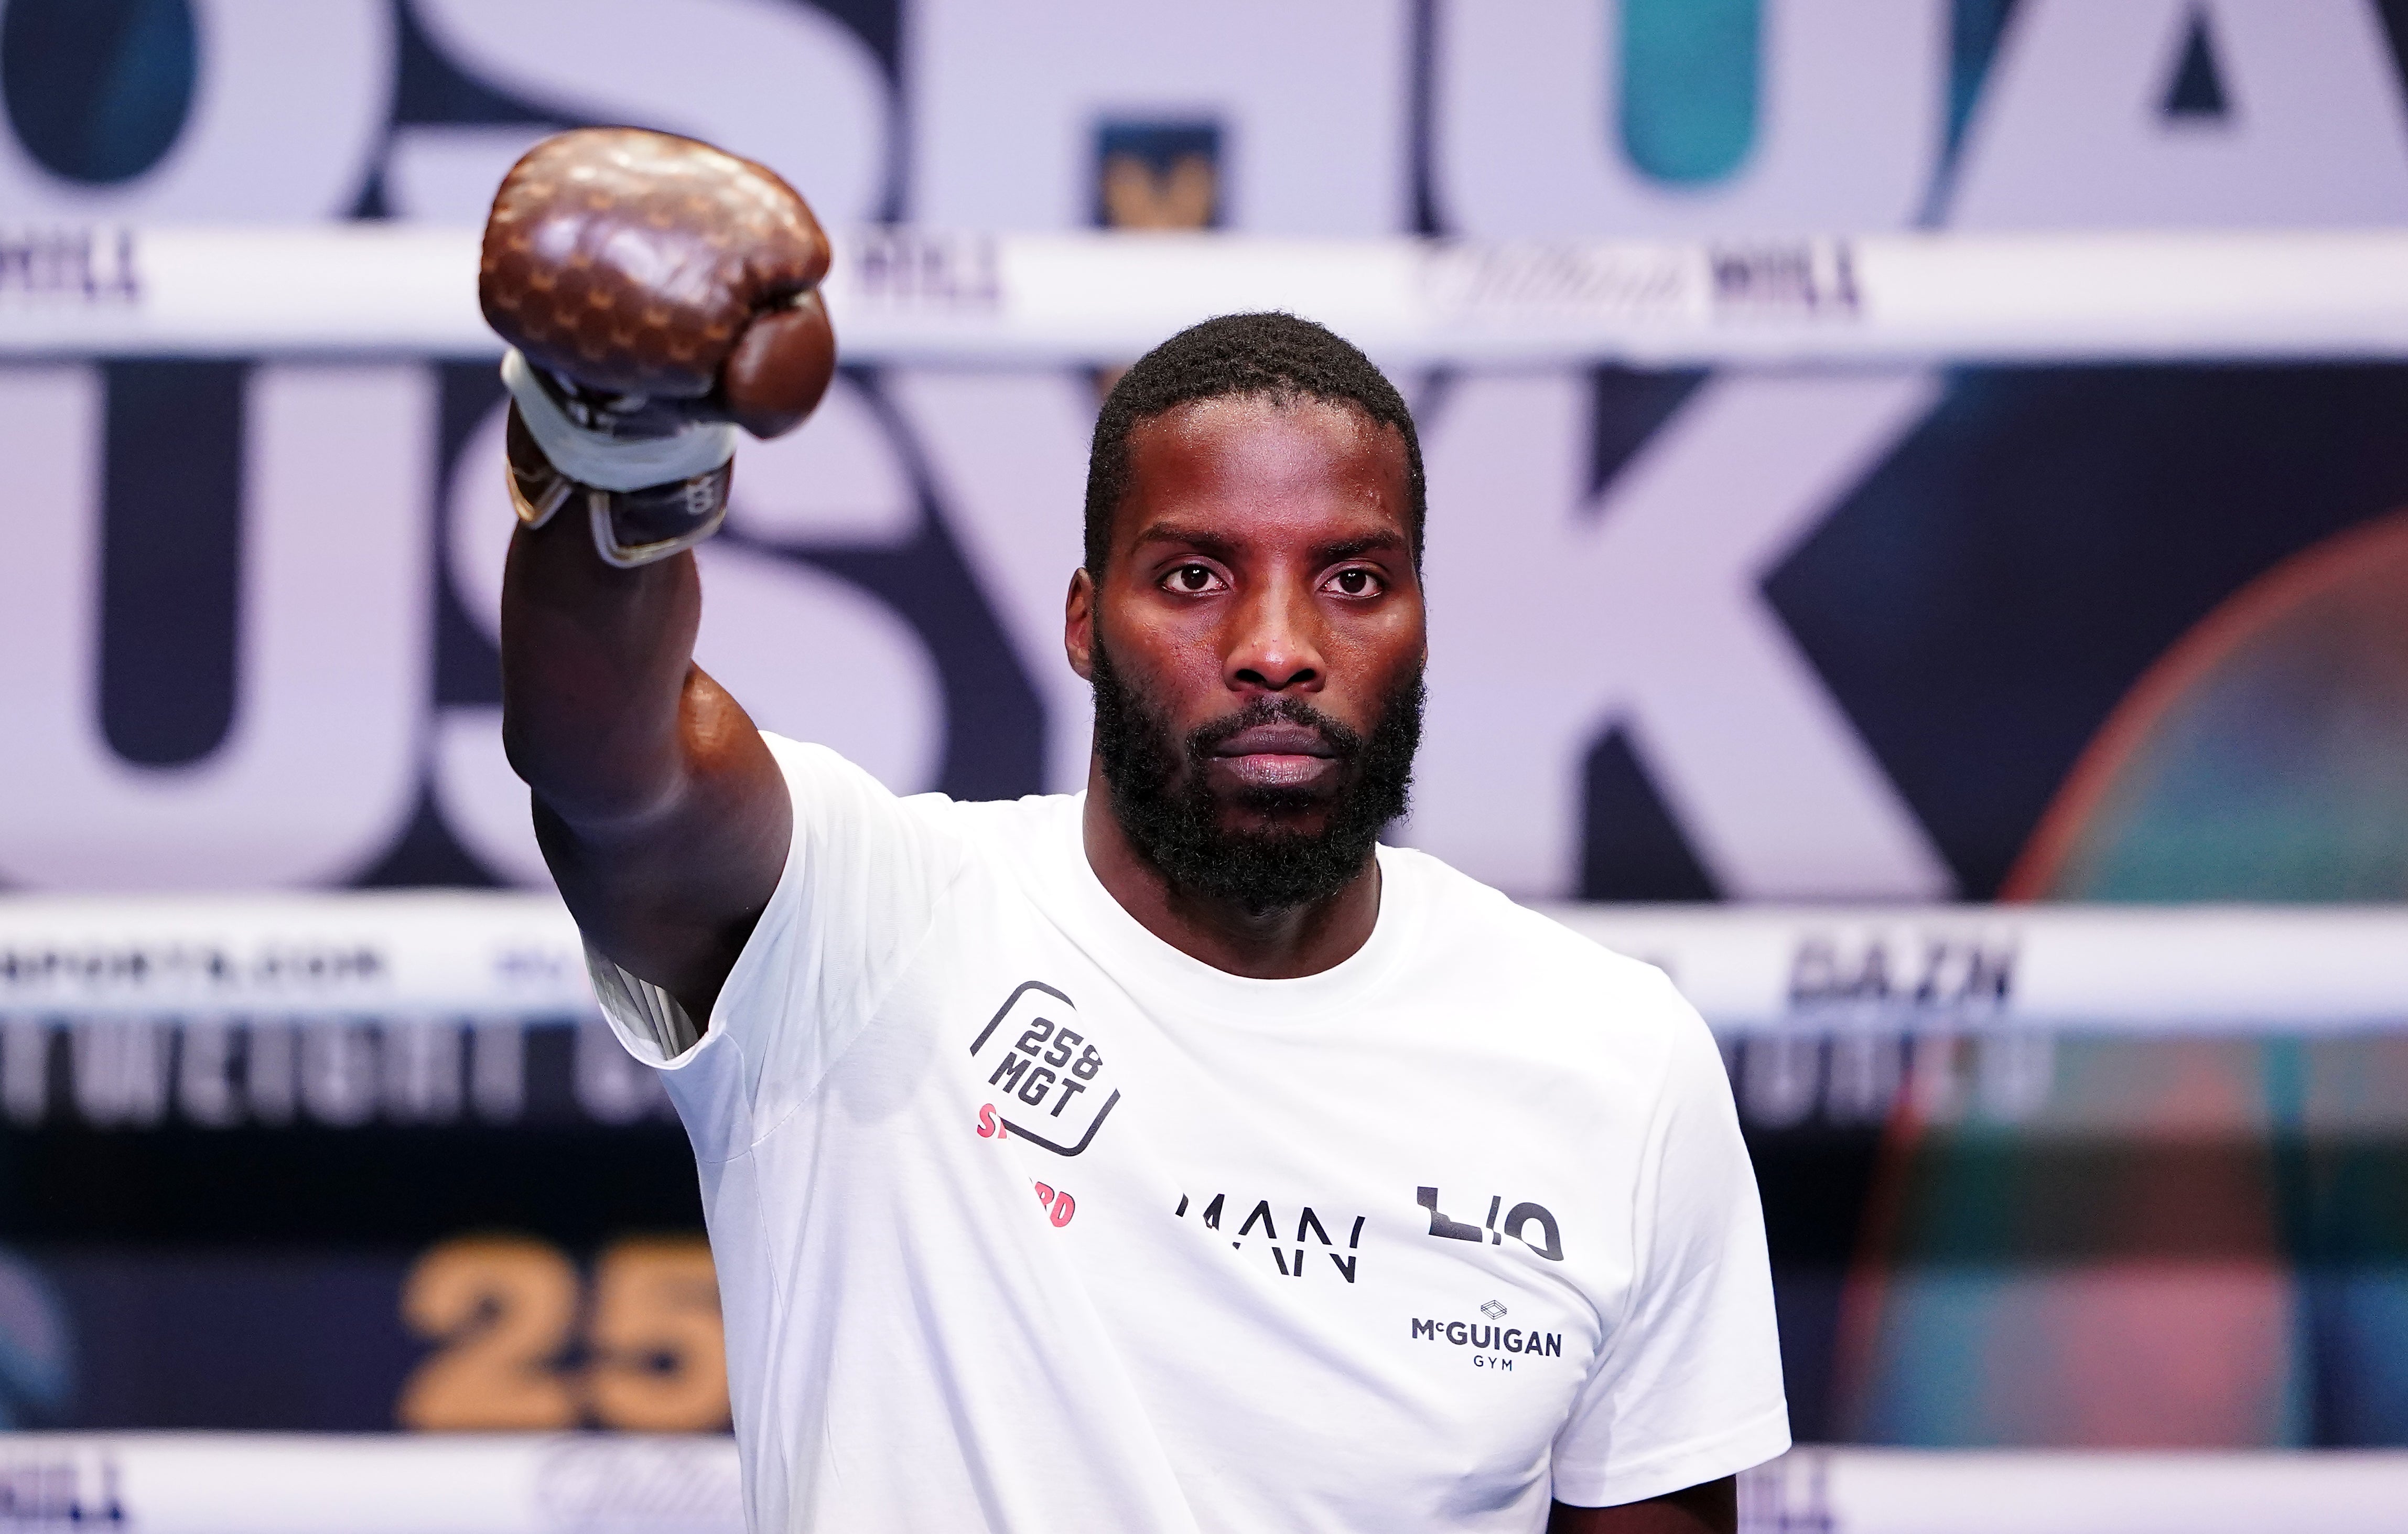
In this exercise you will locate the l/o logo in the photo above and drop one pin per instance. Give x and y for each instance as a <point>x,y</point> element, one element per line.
<point>1517,1224</point>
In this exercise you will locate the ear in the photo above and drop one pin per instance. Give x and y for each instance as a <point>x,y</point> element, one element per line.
<point>1079,625</point>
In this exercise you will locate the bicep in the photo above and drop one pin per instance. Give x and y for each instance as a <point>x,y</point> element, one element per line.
<point>1709,1509</point>
<point>673,894</point>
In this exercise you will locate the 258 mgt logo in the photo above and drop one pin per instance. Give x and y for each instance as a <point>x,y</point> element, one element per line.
<point>1039,1057</point>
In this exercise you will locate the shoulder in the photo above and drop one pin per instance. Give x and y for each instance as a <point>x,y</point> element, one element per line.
<point>1007,826</point>
<point>838,801</point>
<point>1523,942</point>
<point>1541,974</point>
<point>810,767</point>
<point>822,773</point>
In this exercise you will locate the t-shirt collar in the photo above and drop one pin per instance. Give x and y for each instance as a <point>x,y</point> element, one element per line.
<point>1126,944</point>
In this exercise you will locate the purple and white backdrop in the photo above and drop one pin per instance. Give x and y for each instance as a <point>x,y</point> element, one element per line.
<point>1724,634</point>
<point>1748,633</point>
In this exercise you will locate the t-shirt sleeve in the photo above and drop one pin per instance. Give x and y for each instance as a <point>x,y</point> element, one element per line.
<point>864,875</point>
<point>1687,1388</point>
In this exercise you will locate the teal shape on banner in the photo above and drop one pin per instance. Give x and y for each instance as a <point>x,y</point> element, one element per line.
<point>1690,74</point>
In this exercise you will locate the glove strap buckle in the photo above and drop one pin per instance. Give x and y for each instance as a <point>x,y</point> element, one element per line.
<point>636,527</point>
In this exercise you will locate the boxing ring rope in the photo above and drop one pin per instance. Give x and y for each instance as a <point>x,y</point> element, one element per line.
<point>907,294</point>
<point>530,1484</point>
<point>486,955</point>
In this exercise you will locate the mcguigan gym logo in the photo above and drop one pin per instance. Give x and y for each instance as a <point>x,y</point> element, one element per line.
<point>1493,1344</point>
<point>1049,1075</point>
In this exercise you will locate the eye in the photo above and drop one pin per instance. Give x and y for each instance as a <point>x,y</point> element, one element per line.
<point>1192,580</point>
<point>1355,582</point>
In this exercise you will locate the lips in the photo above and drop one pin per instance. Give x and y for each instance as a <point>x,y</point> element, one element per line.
<point>1277,756</point>
<point>1276,740</point>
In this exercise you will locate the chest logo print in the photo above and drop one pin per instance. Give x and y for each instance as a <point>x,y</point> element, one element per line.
<point>1047,1072</point>
<point>1488,1341</point>
<point>1265,1222</point>
<point>1518,1221</point>
<point>1059,1204</point>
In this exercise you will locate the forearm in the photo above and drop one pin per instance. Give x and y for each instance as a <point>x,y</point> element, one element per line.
<point>595,665</point>
<point>658,808</point>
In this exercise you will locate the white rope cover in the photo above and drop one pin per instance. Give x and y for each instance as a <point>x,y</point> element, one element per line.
<point>914,295</point>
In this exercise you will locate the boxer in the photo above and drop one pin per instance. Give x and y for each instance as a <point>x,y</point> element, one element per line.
<point>1172,1157</point>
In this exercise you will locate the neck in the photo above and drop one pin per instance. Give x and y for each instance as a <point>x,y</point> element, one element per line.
<point>1281,944</point>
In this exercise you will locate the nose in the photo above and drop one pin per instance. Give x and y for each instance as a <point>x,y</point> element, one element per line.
<point>1274,643</point>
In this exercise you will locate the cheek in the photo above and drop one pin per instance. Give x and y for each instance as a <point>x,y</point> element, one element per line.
<point>1173,657</point>
<point>1378,649</point>
<point>1188,680</point>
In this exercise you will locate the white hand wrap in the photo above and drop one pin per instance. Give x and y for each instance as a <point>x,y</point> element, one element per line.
<point>607,462</point>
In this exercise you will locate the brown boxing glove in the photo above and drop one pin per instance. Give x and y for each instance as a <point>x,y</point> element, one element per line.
<point>653,288</point>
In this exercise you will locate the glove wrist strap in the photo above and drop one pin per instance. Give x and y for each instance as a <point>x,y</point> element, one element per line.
<point>631,527</point>
<point>591,453</point>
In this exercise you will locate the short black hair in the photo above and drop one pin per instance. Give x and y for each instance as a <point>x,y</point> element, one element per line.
<point>1274,354</point>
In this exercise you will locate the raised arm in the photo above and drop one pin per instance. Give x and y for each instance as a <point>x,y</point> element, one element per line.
<point>657,292</point>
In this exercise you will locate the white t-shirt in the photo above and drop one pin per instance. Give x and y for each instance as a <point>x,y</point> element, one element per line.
<point>1027,1220</point>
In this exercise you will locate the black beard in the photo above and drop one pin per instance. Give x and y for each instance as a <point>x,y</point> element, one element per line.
<point>1161,800</point>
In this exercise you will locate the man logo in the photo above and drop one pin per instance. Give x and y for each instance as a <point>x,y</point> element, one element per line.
<point>1266,1220</point>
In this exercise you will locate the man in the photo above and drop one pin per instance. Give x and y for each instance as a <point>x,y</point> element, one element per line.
<point>1168,1157</point>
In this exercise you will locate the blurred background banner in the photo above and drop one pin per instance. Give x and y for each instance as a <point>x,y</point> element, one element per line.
<point>1808,634</point>
<point>2072,608</point>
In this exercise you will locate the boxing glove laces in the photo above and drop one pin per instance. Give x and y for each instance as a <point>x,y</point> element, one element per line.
<point>656,294</point>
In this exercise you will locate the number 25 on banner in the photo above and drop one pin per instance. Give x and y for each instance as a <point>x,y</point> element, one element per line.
<point>505,1311</point>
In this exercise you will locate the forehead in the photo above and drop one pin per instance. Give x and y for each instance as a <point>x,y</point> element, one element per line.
<point>1242,456</point>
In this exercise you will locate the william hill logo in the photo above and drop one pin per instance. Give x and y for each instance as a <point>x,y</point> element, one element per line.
<point>1491,1337</point>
